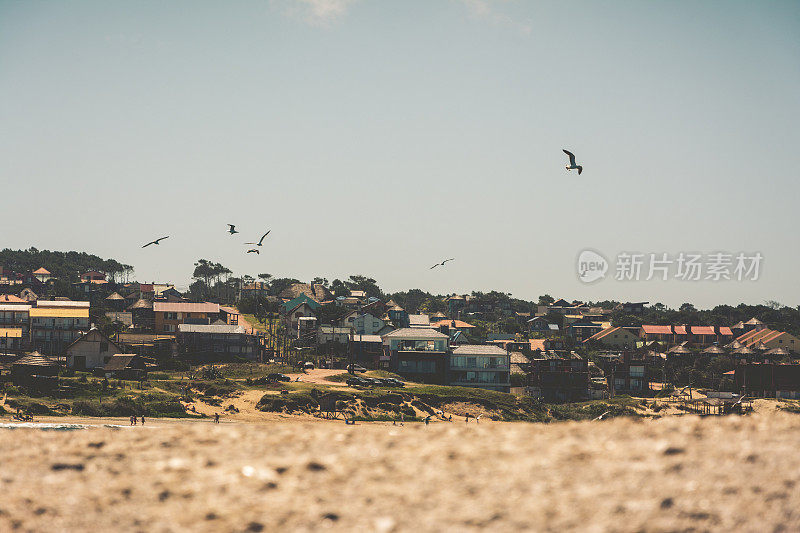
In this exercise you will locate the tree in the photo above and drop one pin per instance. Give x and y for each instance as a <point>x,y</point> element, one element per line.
<point>546,299</point>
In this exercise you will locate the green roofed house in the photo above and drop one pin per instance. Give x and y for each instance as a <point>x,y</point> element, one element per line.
<point>301,306</point>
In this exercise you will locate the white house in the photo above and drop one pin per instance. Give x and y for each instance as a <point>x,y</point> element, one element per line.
<point>92,350</point>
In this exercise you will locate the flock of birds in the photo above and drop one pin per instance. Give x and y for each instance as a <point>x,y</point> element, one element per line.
<point>232,230</point>
<point>232,227</point>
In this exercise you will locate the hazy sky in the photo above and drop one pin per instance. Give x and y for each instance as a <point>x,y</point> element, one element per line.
<point>379,137</point>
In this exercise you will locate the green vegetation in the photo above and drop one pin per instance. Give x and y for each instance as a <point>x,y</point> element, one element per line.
<point>63,265</point>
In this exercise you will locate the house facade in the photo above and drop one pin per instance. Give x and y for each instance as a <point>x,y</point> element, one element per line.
<point>418,354</point>
<point>169,315</point>
<point>482,366</point>
<point>92,350</point>
<point>216,341</point>
<point>55,324</point>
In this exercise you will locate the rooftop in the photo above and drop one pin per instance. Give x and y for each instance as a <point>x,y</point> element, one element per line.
<point>415,334</point>
<point>478,349</point>
<point>211,328</point>
<point>185,307</point>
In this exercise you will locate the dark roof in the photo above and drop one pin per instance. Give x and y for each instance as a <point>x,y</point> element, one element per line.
<point>141,303</point>
<point>119,362</point>
<point>35,359</point>
<point>315,291</point>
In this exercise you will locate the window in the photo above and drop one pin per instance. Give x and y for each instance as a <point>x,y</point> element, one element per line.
<point>637,371</point>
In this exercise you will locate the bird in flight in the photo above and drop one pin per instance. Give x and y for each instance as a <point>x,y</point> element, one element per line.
<point>442,263</point>
<point>572,164</point>
<point>261,241</point>
<point>232,229</point>
<point>254,250</point>
<point>155,241</point>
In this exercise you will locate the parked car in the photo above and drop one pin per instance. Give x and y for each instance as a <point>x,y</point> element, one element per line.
<point>308,365</point>
<point>392,382</point>
<point>356,368</point>
<point>278,377</point>
<point>357,382</point>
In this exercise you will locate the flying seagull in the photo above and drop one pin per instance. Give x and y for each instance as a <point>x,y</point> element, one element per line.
<point>572,164</point>
<point>155,241</point>
<point>232,229</point>
<point>442,263</point>
<point>261,241</point>
<point>254,250</point>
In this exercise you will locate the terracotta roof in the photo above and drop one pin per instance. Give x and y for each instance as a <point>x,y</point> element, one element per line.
<point>754,322</point>
<point>725,330</point>
<point>185,307</point>
<point>652,330</point>
<point>703,330</point>
<point>680,330</point>
<point>460,324</point>
<point>41,270</point>
<point>538,344</point>
<point>11,299</point>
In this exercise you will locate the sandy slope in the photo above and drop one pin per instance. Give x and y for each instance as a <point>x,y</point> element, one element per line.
<point>717,474</point>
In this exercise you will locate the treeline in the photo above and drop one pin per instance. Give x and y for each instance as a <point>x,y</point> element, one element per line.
<point>66,266</point>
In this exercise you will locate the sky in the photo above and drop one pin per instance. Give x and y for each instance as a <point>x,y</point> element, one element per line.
<point>378,138</point>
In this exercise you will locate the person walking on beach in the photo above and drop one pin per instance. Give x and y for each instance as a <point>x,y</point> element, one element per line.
<point>216,418</point>
<point>466,419</point>
<point>142,419</point>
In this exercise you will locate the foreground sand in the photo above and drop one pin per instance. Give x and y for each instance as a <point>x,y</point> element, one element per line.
<point>679,473</point>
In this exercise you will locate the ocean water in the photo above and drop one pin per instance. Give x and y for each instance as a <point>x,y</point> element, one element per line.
<point>52,426</point>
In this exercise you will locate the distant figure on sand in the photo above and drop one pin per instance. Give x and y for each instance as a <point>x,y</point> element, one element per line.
<point>142,419</point>
<point>216,418</point>
<point>466,419</point>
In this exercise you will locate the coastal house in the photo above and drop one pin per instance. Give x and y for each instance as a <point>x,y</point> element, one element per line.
<point>210,342</point>
<point>366,350</point>
<point>368,324</point>
<point>35,372</point>
<point>614,337</point>
<point>142,314</point>
<point>55,324</point>
<point>14,326</point>
<point>42,275</point>
<point>482,366</point>
<point>767,339</point>
<point>169,315</point>
<point>91,350</point>
<point>126,366</point>
<point>418,354</point>
<point>419,321</point>
<point>558,379</point>
<point>541,326</point>
<point>301,306</point>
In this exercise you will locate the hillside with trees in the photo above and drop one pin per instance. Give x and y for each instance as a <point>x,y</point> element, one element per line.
<point>66,266</point>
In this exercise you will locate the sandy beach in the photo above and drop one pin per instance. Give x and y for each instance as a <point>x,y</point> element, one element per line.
<point>678,473</point>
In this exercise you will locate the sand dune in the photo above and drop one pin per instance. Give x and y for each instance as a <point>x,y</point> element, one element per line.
<point>722,474</point>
